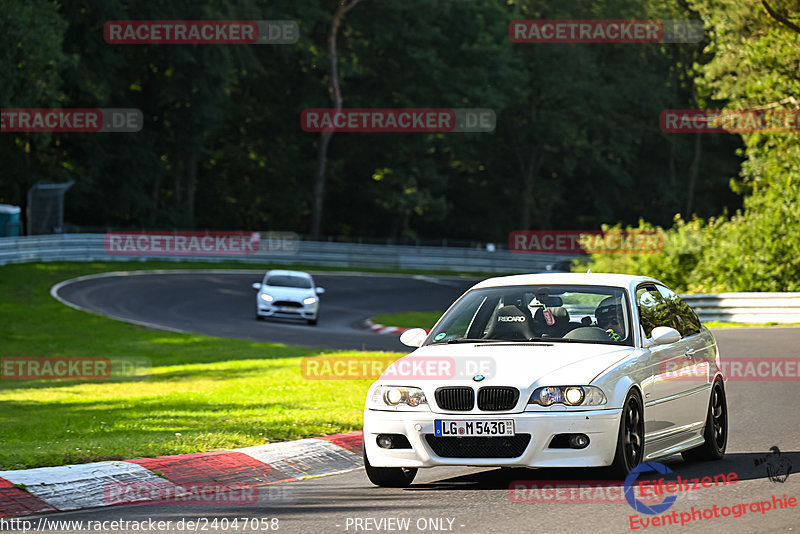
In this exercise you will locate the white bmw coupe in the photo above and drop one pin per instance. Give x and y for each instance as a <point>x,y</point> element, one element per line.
<point>550,370</point>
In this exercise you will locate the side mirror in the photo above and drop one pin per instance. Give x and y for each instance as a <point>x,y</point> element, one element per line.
<point>256,285</point>
<point>320,290</point>
<point>664,335</point>
<point>413,337</point>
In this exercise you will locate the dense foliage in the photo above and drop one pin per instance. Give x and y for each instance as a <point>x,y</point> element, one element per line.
<point>577,141</point>
<point>754,64</point>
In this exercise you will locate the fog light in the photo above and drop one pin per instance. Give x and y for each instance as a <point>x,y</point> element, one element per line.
<point>392,441</point>
<point>579,441</point>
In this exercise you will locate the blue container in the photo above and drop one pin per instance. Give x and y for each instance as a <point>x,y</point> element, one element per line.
<point>9,220</point>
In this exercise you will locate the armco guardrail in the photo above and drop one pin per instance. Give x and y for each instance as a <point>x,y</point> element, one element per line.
<point>89,247</point>
<point>746,307</point>
<point>739,307</point>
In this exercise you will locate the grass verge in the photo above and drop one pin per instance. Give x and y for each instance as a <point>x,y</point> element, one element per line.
<point>202,393</point>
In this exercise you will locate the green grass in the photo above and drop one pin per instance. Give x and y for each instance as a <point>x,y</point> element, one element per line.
<point>202,393</point>
<point>408,320</point>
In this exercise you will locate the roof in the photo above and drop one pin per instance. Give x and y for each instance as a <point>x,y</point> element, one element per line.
<point>594,279</point>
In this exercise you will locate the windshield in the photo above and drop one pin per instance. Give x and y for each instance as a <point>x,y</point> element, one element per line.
<point>564,313</point>
<point>285,280</point>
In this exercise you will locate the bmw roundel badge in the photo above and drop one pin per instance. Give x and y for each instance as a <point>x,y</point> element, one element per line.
<point>478,378</point>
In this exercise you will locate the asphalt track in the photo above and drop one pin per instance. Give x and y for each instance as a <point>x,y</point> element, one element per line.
<point>762,414</point>
<point>222,303</point>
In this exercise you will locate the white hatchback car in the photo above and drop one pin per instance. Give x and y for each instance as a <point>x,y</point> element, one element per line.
<point>288,294</point>
<point>550,370</point>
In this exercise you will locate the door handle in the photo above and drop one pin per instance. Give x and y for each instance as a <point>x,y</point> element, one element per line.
<point>689,353</point>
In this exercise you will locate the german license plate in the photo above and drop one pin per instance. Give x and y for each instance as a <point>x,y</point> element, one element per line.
<point>461,428</point>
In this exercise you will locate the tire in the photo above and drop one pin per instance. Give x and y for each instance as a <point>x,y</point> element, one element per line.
<point>259,317</point>
<point>389,477</point>
<point>630,438</point>
<point>716,429</point>
<point>312,322</point>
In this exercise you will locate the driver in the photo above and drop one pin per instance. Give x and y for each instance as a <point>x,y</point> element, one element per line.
<point>610,318</point>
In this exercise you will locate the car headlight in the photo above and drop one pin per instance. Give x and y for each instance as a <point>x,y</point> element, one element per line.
<point>569,395</point>
<point>309,300</point>
<point>397,397</point>
<point>267,297</point>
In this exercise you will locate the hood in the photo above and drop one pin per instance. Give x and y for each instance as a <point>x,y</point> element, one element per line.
<point>287,292</point>
<point>507,364</point>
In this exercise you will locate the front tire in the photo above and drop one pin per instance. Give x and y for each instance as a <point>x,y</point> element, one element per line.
<point>716,430</point>
<point>389,477</point>
<point>630,440</point>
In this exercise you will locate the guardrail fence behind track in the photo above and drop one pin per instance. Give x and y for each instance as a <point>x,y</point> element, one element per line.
<point>739,307</point>
<point>89,247</point>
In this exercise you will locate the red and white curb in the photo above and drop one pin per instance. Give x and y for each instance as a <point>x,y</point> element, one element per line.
<point>219,477</point>
<point>367,324</point>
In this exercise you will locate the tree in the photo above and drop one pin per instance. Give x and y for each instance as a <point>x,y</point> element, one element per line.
<point>336,98</point>
<point>32,33</point>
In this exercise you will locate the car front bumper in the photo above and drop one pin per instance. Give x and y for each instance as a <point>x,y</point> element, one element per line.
<point>602,427</point>
<point>304,312</point>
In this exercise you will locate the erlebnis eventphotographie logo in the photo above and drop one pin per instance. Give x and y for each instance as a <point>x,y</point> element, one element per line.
<point>778,467</point>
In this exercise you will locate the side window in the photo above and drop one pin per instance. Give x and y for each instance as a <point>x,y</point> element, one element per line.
<point>686,320</point>
<point>653,309</point>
